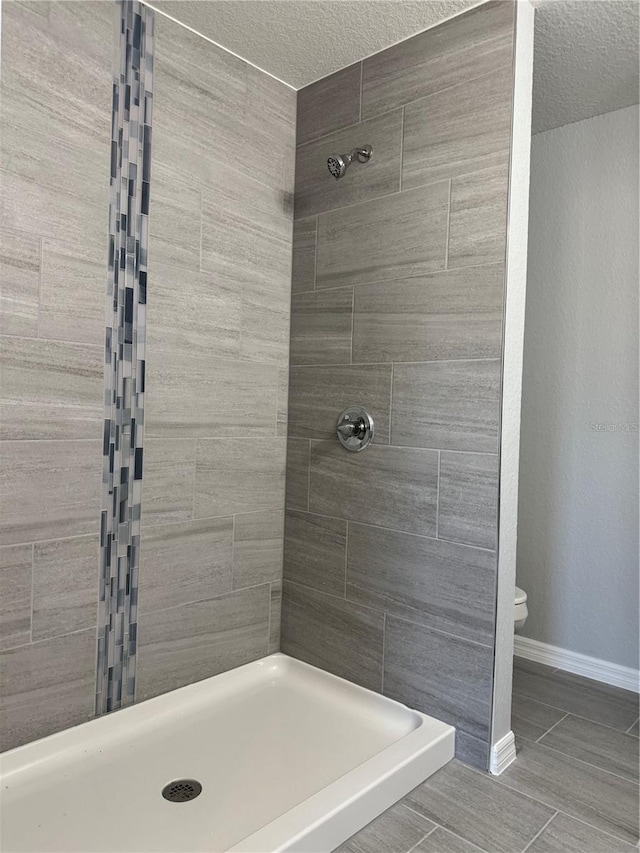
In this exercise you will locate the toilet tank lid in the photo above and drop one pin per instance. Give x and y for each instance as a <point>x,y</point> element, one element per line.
<point>521,595</point>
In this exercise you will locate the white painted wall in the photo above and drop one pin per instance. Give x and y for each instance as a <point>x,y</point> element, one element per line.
<point>577,552</point>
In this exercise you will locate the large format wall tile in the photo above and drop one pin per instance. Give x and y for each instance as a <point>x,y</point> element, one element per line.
<point>303,268</point>
<point>468,498</point>
<point>387,238</point>
<point>20,276</point>
<point>245,244</point>
<point>265,325</point>
<point>65,586</point>
<point>455,52</point>
<point>50,390</point>
<point>321,327</point>
<point>446,315</point>
<point>15,595</point>
<point>478,219</point>
<point>317,396</point>
<point>298,456</point>
<point>47,686</point>
<point>452,405</point>
<point>191,397</point>
<point>257,548</point>
<point>315,550</point>
<point>329,104</point>
<point>72,293</point>
<point>438,584</point>
<point>447,677</point>
<point>463,129</point>
<point>169,475</point>
<point>317,190</point>
<point>192,313</point>
<point>334,634</point>
<point>238,475</point>
<point>174,223</point>
<point>185,562</point>
<point>387,486</point>
<point>48,489</point>
<point>275,617</point>
<point>185,644</point>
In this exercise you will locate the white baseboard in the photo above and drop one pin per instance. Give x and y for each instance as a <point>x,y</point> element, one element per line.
<point>502,754</point>
<point>600,670</point>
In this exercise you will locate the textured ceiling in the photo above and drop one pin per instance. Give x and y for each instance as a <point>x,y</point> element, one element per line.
<point>585,60</point>
<point>586,51</point>
<point>300,41</point>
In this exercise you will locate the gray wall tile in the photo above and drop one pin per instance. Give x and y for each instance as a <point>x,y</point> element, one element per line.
<point>303,272</point>
<point>334,634</point>
<point>393,237</point>
<point>72,293</point>
<point>20,275</point>
<point>463,129</point>
<point>317,396</point>
<point>65,586</point>
<point>275,616</point>
<point>185,644</point>
<point>192,313</point>
<point>452,681</point>
<point>453,405</point>
<point>47,686</point>
<point>457,51</point>
<point>185,562</point>
<point>387,486</point>
<point>315,550</point>
<point>282,412</point>
<point>298,456</point>
<point>478,219</point>
<point>321,327</point>
<point>317,191</point>
<point>257,548</point>
<point>49,489</point>
<point>329,104</point>
<point>468,500</point>
<point>174,219</point>
<point>238,476</point>
<point>246,245</point>
<point>265,325</point>
<point>50,390</point>
<point>169,476</point>
<point>441,585</point>
<point>189,397</point>
<point>15,595</point>
<point>446,315</point>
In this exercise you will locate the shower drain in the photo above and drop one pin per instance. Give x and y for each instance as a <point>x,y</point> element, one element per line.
<point>181,790</point>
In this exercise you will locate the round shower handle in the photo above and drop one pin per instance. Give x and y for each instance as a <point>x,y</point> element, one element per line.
<point>355,429</point>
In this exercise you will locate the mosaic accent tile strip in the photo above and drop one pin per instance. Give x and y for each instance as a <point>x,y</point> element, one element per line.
<point>125,358</point>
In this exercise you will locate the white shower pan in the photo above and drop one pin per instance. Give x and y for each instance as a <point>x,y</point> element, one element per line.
<point>290,758</point>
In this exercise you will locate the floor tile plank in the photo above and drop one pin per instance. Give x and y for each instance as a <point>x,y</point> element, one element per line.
<point>599,745</point>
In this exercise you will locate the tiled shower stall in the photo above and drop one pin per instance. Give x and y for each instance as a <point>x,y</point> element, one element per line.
<point>261,294</point>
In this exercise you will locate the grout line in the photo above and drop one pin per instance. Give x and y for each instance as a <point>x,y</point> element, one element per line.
<point>418,843</point>
<point>39,305</point>
<point>201,229</point>
<point>446,242</point>
<point>539,833</point>
<point>233,551</point>
<point>385,363</point>
<point>384,648</point>
<point>585,763</point>
<point>438,497</point>
<point>33,567</point>
<point>401,147</point>
<point>315,255</point>
<point>393,370</point>
<point>346,559</point>
<point>309,477</point>
<point>628,731</point>
<point>597,828</point>
<point>43,640</point>
<point>353,317</point>
<point>544,734</point>
<point>361,79</point>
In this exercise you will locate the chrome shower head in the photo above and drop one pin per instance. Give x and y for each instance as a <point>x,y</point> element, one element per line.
<point>339,163</point>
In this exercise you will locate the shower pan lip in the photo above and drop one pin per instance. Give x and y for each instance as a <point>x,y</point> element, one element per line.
<point>288,790</point>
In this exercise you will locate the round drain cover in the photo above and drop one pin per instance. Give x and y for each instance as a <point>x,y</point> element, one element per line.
<point>181,790</point>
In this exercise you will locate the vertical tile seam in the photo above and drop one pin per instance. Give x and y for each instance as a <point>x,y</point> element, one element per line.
<point>446,242</point>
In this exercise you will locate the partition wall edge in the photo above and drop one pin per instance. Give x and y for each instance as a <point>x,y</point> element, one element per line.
<point>503,750</point>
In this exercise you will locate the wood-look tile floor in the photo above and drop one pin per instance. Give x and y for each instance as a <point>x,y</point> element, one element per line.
<point>572,789</point>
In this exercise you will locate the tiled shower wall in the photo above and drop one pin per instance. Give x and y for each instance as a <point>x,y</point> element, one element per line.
<point>217,360</point>
<point>398,279</point>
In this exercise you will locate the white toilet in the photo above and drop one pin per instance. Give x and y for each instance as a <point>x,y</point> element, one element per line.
<point>520,610</point>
